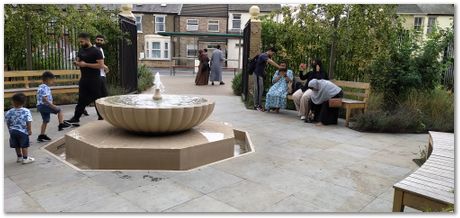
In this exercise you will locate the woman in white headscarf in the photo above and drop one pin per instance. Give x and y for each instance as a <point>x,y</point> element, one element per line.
<point>323,91</point>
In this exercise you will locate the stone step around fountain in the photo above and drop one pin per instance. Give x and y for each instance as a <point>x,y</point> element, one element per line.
<point>100,146</point>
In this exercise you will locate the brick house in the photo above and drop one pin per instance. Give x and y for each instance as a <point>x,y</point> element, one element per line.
<point>153,49</point>
<point>200,18</point>
<point>238,16</point>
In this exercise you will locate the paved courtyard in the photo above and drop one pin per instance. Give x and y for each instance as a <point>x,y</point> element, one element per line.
<point>296,167</point>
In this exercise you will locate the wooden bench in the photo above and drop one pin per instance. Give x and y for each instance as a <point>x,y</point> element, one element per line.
<point>431,187</point>
<point>358,90</point>
<point>27,82</point>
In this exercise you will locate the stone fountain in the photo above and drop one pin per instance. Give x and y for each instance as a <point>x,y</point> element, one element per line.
<point>167,132</point>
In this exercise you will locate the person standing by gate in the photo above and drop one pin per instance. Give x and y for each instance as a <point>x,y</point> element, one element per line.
<point>100,41</point>
<point>217,60</point>
<point>259,74</point>
<point>90,61</point>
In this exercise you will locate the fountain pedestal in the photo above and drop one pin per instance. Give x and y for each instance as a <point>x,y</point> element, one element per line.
<point>99,145</point>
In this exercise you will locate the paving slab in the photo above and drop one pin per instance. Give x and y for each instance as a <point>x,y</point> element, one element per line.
<point>248,196</point>
<point>10,188</point>
<point>160,196</point>
<point>70,195</point>
<point>203,204</point>
<point>205,180</point>
<point>22,203</point>
<point>331,197</point>
<point>119,181</point>
<point>293,204</point>
<point>112,203</point>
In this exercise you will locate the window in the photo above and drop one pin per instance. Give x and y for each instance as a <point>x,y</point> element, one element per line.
<point>166,50</point>
<point>139,24</point>
<point>418,23</point>
<point>157,48</point>
<point>192,25</point>
<point>191,50</point>
<point>213,26</point>
<point>236,22</point>
<point>431,24</point>
<point>159,23</point>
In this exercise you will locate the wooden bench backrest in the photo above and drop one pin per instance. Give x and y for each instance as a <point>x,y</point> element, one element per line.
<point>26,78</point>
<point>359,90</point>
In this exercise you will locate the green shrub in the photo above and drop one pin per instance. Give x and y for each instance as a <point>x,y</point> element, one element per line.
<point>237,84</point>
<point>144,78</point>
<point>115,90</point>
<point>421,111</point>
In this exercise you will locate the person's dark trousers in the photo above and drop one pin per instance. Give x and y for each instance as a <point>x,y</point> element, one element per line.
<point>89,91</point>
<point>104,90</point>
<point>258,90</point>
<point>326,114</point>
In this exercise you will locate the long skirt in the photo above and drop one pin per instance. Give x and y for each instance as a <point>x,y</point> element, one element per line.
<point>216,72</point>
<point>202,77</point>
<point>276,96</point>
<point>324,113</point>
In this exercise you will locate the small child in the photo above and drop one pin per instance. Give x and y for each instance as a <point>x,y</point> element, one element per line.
<point>19,122</point>
<point>45,106</point>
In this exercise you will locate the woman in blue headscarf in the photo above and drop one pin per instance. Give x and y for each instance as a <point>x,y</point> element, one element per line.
<point>323,91</point>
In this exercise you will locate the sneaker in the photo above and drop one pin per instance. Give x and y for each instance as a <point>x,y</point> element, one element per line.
<point>63,126</point>
<point>19,160</point>
<point>42,138</point>
<point>212,83</point>
<point>222,83</point>
<point>303,117</point>
<point>28,160</point>
<point>72,121</point>
<point>85,112</point>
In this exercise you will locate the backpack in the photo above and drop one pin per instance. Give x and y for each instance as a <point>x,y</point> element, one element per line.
<point>252,64</point>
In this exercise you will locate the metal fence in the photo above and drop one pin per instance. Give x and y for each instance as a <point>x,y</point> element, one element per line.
<point>448,74</point>
<point>246,51</point>
<point>127,55</point>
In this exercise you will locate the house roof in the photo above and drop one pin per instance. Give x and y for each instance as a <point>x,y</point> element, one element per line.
<point>157,8</point>
<point>245,7</point>
<point>204,10</point>
<point>438,9</point>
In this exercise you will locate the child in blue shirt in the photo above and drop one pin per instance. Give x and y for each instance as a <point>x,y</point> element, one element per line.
<point>19,122</point>
<point>45,106</point>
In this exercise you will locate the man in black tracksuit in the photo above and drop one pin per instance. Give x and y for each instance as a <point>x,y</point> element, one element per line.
<point>90,61</point>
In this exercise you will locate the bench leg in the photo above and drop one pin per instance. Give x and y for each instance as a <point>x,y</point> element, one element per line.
<point>347,116</point>
<point>398,205</point>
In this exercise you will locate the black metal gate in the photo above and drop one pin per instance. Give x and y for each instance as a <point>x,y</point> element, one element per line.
<point>127,55</point>
<point>246,51</point>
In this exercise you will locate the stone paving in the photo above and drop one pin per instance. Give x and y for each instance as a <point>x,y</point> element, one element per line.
<point>296,167</point>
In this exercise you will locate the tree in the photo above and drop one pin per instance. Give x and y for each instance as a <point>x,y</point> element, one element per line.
<point>31,29</point>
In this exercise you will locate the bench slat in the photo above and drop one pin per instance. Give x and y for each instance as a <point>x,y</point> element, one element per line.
<point>427,192</point>
<point>438,166</point>
<point>429,183</point>
<point>433,180</point>
<point>9,74</point>
<point>433,176</point>
<point>350,84</point>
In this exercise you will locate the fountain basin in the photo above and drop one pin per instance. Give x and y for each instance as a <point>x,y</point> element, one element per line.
<point>140,113</point>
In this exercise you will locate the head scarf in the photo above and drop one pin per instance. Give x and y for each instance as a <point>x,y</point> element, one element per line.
<point>324,90</point>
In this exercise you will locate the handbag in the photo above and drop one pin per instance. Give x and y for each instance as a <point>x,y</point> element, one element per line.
<point>335,102</point>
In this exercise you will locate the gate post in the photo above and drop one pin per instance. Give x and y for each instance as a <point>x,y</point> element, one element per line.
<point>255,45</point>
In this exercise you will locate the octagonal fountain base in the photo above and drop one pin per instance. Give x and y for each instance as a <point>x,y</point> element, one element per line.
<point>101,146</point>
